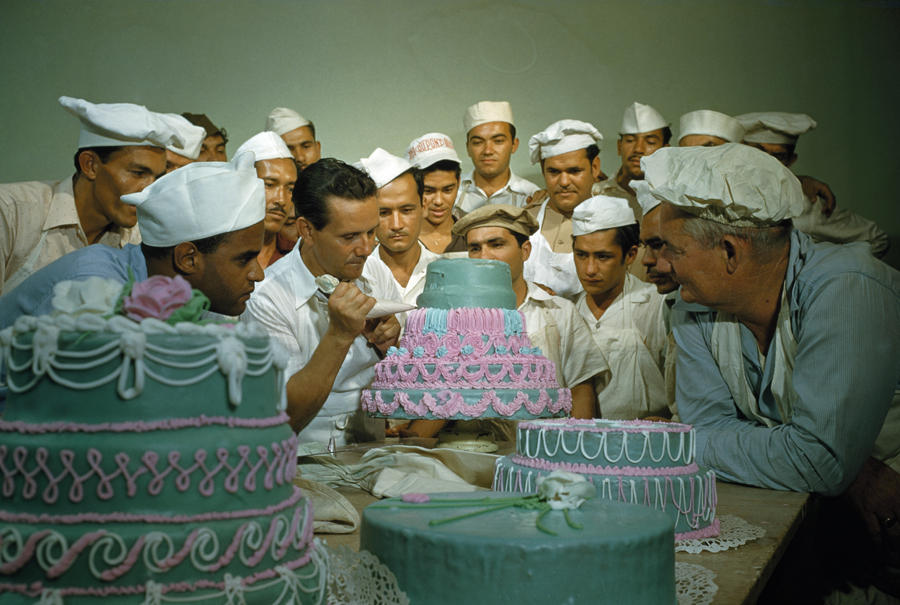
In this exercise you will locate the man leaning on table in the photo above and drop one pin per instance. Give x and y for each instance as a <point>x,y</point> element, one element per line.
<point>790,376</point>
<point>333,346</point>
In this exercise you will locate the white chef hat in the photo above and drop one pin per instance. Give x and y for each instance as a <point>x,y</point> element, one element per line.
<point>200,200</point>
<point>645,199</point>
<point>487,111</point>
<point>711,123</point>
<point>431,148</point>
<point>282,120</point>
<point>562,137</point>
<point>640,118</point>
<point>123,124</point>
<point>383,167</point>
<point>192,137</point>
<point>601,212</point>
<point>266,145</point>
<point>775,126</point>
<point>732,183</point>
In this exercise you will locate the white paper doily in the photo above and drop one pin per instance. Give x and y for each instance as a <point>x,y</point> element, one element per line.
<point>694,584</point>
<point>359,577</point>
<point>733,532</point>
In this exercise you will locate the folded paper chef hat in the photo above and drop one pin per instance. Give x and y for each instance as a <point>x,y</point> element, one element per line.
<point>732,183</point>
<point>266,145</point>
<point>282,120</point>
<point>122,124</point>
<point>601,212</point>
<point>200,200</point>
<point>562,137</point>
<point>203,121</point>
<point>431,148</point>
<point>640,118</point>
<point>711,123</point>
<point>192,137</point>
<point>383,167</point>
<point>487,111</point>
<point>514,218</point>
<point>646,200</point>
<point>775,126</point>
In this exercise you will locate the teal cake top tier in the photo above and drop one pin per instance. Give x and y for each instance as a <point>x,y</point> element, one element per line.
<point>452,283</point>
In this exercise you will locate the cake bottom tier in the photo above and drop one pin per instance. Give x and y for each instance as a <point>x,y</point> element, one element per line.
<point>688,499</point>
<point>621,554</point>
<point>267,558</point>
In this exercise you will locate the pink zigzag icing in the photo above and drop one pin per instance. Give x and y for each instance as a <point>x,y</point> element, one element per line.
<point>449,403</point>
<point>280,469</point>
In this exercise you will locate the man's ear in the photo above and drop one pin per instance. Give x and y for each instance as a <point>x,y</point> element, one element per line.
<point>89,163</point>
<point>595,168</point>
<point>630,255</point>
<point>733,252</point>
<point>526,249</point>
<point>304,227</point>
<point>515,145</point>
<point>187,259</point>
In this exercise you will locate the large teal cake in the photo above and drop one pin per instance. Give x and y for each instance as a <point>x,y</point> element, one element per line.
<point>465,353</point>
<point>621,553</point>
<point>148,463</point>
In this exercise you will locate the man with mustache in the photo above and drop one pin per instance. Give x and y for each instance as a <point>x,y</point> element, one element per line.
<point>490,142</point>
<point>275,166</point>
<point>332,342</point>
<point>399,222</point>
<point>643,131</point>
<point>569,154</point>
<point>299,135</point>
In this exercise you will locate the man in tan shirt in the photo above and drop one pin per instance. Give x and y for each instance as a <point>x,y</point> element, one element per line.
<point>121,150</point>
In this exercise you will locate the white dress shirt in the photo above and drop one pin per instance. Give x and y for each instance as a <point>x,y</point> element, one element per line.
<point>290,307</point>
<point>471,196</point>
<point>416,282</point>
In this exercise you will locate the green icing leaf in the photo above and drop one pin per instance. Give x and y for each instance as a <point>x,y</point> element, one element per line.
<point>192,310</point>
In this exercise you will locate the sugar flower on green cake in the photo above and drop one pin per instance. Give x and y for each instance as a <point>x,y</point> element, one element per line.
<point>169,299</point>
<point>565,490</point>
<point>94,295</point>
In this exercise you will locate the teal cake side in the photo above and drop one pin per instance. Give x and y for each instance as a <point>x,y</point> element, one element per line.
<point>452,283</point>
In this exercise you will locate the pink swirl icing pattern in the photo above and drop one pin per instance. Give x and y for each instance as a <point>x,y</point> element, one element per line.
<point>511,373</point>
<point>591,469</point>
<point>446,403</point>
<point>17,472</point>
<point>301,516</point>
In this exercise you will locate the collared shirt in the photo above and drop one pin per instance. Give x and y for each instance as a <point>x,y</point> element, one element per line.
<point>471,196</point>
<point>416,282</point>
<point>288,305</point>
<point>555,327</point>
<point>841,227</point>
<point>845,316</point>
<point>38,224</point>
<point>632,335</point>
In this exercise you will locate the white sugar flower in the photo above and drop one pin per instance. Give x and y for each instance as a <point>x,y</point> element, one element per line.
<point>95,295</point>
<point>562,489</point>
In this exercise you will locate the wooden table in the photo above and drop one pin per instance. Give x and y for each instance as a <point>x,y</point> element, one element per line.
<point>741,573</point>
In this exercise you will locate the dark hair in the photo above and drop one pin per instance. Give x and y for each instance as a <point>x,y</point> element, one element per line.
<point>592,151</point>
<point>207,245</point>
<point>323,179</point>
<point>102,152</point>
<point>420,183</point>
<point>443,165</point>
<point>627,237</point>
<point>667,135</point>
<point>521,238</point>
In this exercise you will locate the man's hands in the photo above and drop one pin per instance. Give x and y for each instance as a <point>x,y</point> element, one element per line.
<point>347,310</point>
<point>815,189</point>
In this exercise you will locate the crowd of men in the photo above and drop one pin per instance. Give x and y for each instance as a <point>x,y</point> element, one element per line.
<point>703,281</point>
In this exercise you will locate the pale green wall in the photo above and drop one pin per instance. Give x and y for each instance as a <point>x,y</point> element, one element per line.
<point>380,73</point>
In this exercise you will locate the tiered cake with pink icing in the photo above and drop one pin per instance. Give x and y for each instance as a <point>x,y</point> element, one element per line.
<point>465,353</point>
<point>149,463</point>
<point>639,462</point>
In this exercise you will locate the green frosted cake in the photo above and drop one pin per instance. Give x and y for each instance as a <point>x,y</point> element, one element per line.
<point>465,353</point>
<point>149,463</point>
<point>619,554</point>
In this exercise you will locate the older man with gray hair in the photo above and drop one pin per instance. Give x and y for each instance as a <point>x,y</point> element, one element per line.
<point>790,376</point>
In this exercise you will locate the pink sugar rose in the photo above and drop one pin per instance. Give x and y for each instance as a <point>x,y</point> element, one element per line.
<point>157,297</point>
<point>415,498</point>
